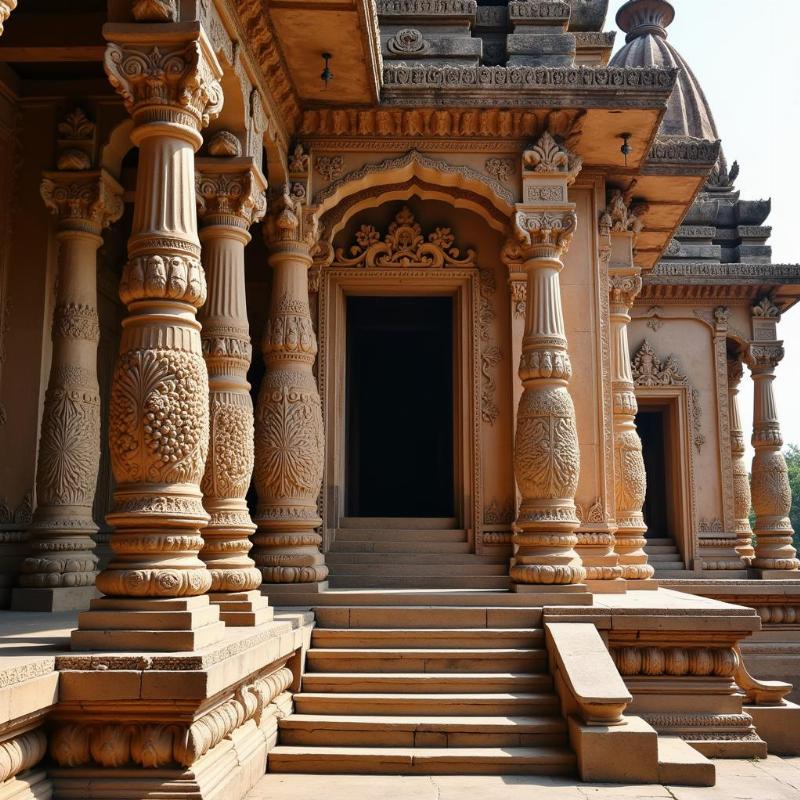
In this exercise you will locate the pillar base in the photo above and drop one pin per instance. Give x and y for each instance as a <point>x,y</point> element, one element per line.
<point>615,586</point>
<point>56,598</point>
<point>151,624</point>
<point>242,609</point>
<point>774,574</point>
<point>642,585</point>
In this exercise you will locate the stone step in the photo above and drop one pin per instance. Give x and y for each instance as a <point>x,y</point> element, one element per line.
<point>401,547</point>
<point>679,764</point>
<point>660,542</point>
<point>664,558</point>
<point>660,566</point>
<point>454,704</point>
<point>442,569</point>
<point>496,582</point>
<point>659,550</point>
<point>428,637</point>
<point>346,659</point>
<point>427,682</point>
<point>336,558</point>
<point>423,760</point>
<point>426,617</point>
<point>399,535</point>
<point>392,731</point>
<point>439,598</point>
<point>675,573</point>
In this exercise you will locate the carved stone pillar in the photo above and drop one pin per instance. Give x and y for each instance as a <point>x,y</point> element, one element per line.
<point>630,481</point>
<point>168,77</point>
<point>546,455</point>
<point>59,572</point>
<point>230,197</point>
<point>775,557</point>
<point>289,432</point>
<point>6,7</point>
<point>741,480</point>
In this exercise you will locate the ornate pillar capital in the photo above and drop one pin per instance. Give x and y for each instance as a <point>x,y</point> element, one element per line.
<point>230,192</point>
<point>169,76</point>
<point>623,290</point>
<point>6,7</point>
<point>82,201</point>
<point>763,357</point>
<point>291,228</point>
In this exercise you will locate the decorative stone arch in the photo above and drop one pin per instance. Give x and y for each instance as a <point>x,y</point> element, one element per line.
<point>403,177</point>
<point>661,383</point>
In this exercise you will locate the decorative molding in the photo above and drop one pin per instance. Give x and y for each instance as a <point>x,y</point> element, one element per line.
<point>19,516</point>
<point>224,144</point>
<point>511,85</point>
<point>491,355</point>
<point>439,123</point>
<point>427,8</point>
<point>690,662</point>
<point>21,752</point>
<point>683,149</point>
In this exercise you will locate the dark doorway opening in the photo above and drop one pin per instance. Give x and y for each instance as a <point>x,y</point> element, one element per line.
<point>650,424</point>
<point>399,449</point>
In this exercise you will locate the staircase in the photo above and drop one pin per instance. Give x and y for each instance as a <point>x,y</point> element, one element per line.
<point>425,690</point>
<point>664,556</point>
<point>367,558</point>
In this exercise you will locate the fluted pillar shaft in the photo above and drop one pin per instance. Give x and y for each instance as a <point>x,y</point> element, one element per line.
<point>60,537</point>
<point>741,480</point>
<point>630,480</point>
<point>772,495</point>
<point>289,431</point>
<point>230,194</point>
<point>158,417</point>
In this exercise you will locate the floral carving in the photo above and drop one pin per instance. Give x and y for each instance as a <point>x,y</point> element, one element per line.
<point>162,277</point>
<point>69,454</point>
<point>501,168</point>
<point>291,436</point>
<point>407,41</point>
<point>548,156</point>
<point>75,321</point>
<point>330,167</point>
<point>405,246</point>
<point>155,10</point>
<point>546,456</point>
<point>621,215</point>
<point>158,427</point>
<point>230,452</point>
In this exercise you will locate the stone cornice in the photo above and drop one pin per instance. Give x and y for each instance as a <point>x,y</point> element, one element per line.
<point>434,9</point>
<point>590,87</point>
<point>681,155</point>
<point>699,272</point>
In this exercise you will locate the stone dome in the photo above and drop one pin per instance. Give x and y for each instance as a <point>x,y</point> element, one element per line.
<point>645,22</point>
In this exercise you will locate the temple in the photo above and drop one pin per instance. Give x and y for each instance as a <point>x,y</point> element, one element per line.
<point>369,379</point>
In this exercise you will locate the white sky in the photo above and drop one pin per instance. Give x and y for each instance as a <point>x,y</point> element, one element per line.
<point>746,56</point>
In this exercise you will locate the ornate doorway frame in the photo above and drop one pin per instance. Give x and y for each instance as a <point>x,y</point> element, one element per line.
<point>463,285</point>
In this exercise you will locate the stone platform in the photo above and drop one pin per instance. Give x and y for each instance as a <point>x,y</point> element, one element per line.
<point>770,779</point>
